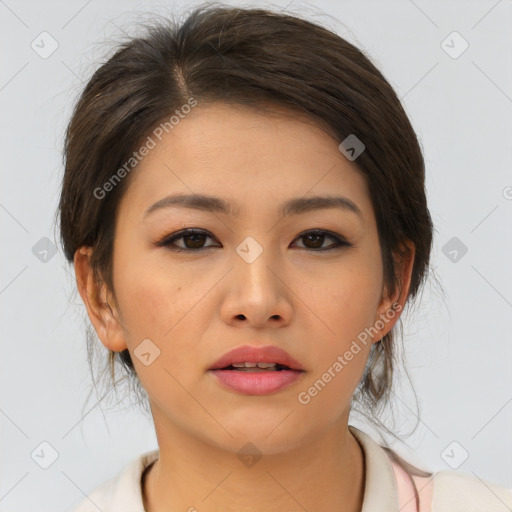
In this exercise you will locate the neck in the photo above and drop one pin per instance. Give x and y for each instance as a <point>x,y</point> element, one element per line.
<point>326,474</point>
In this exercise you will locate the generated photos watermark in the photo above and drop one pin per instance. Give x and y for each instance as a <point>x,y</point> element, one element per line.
<point>304,397</point>
<point>137,156</point>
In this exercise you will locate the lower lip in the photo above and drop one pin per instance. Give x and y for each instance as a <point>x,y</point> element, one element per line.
<point>257,383</point>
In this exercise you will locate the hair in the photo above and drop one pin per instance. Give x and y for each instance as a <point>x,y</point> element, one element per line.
<point>264,60</point>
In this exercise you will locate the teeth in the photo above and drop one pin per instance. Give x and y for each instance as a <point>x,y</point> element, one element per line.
<point>266,365</point>
<point>257,370</point>
<point>253,365</point>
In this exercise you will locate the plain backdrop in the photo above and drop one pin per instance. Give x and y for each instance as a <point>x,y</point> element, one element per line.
<point>458,346</point>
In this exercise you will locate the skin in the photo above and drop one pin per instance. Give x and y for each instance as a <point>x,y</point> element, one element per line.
<point>195,306</point>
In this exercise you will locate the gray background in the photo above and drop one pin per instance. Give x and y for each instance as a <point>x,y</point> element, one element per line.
<point>458,346</point>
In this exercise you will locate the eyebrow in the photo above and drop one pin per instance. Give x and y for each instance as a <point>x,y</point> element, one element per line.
<point>294,206</point>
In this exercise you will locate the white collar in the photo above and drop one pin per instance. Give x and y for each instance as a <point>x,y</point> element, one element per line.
<point>380,492</point>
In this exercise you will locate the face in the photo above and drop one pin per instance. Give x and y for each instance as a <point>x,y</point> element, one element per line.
<point>309,282</point>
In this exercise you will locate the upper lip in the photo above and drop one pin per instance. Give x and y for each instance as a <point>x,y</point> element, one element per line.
<point>247,353</point>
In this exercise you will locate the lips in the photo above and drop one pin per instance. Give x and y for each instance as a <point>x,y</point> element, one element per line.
<point>247,353</point>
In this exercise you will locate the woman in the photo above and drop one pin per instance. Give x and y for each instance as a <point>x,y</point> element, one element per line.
<point>244,194</point>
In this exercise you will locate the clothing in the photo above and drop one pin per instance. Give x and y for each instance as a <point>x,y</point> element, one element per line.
<point>387,487</point>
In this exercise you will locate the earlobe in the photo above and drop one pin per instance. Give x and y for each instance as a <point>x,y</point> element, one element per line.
<point>391,307</point>
<point>94,294</point>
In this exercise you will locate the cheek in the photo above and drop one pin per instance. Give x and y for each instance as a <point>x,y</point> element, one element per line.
<point>346,304</point>
<point>147,297</point>
<point>163,304</point>
<point>153,306</point>
<point>348,298</point>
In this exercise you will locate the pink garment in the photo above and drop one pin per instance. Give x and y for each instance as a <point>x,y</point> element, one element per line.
<point>406,494</point>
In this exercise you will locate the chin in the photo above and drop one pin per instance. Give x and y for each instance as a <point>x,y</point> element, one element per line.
<point>270,437</point>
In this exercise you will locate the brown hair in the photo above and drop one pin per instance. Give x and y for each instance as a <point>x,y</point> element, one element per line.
<point>261,59</point>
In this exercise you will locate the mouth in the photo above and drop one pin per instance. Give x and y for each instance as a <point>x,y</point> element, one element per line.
<point>252,370</point>
<point>248,358</point>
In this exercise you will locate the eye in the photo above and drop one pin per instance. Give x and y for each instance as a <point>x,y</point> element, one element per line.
<point>193,236</point>
<point>194,239</point>
<point>317,237</point>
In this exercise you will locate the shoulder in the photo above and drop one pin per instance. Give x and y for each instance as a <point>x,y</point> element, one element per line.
<point>121,492</point>
<point>454,491</point>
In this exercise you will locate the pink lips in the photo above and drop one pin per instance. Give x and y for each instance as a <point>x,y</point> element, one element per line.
<point>259,382</point>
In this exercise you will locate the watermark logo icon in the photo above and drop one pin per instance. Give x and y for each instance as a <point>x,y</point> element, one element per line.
<point>147,352</point>
<point>44,250</point>
<point>351,147</point>
<point>44,455</point>
<point>454,45</point>
<point>249,454</point>
<point>454,249</point>
<point>44,45</point>
<point>249,250</point>
<point>454,455</point>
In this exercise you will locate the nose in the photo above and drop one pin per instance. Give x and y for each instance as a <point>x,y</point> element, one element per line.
<point>257,294</point>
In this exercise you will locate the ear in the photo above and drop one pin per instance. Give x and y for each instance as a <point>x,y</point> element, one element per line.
<point>390,308</point>
<point>98,302</point>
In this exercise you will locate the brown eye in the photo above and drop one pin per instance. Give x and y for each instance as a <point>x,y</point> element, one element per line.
<point>193,240</point>
<point>315,239</point>
<point>196,240</point>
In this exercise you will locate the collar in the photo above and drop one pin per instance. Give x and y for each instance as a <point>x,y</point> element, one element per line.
<point>380,492</point>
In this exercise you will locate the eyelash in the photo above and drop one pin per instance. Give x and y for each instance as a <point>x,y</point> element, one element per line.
<point>169,240</point>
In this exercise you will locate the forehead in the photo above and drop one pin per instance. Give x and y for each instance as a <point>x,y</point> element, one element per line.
<point>246,155</point>
<point>242,129</point>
